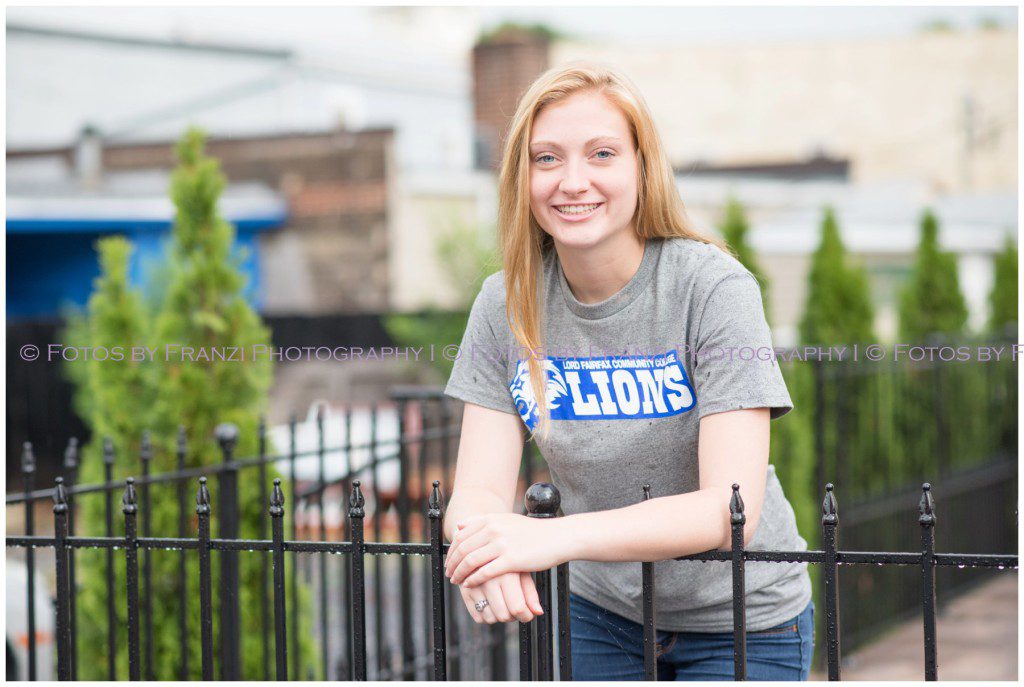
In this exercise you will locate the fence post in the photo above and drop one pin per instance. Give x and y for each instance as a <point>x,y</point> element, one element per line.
<point>146,457</point>
<point>227,528</point>
<point>28,473</point>
<point>434,514</point>
<point>355,514</point>
<point>294,580</point>
<point>321,558</point>
<point>543,501</point>
<point>60,517</point>
<point>261,438</point>
<point>71,473</point>
<point>205,581</point>
<point>927,522</point>
<point>829,523</point>
<point>182,446</point>
<point>131,555</point>
<point>108,497</point>
<point>280,627</point>
<point>737,520</point>
<point>404,573</point>
<point>650,631</point>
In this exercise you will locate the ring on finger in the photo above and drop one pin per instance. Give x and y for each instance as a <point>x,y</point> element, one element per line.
<point>481,605</point>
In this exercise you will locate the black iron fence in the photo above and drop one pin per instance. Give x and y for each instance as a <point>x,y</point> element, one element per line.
<point>544,648</point>
<point>396,592</point>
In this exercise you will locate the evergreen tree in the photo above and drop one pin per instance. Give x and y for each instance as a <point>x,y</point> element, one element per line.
<point>1003,299</point>
<point>838,308</point>
<point>734,230</point>
<point>182,384</point>
<point>931,302</point>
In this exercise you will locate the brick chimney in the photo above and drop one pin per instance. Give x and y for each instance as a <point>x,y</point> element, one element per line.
<point>504,65</point>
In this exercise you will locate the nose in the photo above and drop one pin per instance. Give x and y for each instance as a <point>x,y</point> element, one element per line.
<point>574,182</point>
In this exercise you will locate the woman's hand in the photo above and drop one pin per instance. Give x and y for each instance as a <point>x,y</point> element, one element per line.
<point>511,596</point>
<point>486,546</point>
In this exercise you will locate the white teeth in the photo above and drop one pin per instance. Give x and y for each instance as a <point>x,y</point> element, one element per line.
<point>577,209</point>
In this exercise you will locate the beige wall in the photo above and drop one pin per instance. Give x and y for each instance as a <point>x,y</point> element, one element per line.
<point>894,105</point>
<point>423,210</point>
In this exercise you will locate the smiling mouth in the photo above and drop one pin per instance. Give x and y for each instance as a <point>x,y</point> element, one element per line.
<point>577,211</point>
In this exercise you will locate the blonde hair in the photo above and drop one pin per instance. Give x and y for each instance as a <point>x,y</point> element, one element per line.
<point>659,212</point>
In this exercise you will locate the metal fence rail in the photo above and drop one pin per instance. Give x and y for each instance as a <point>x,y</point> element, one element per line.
<point>541,650</point>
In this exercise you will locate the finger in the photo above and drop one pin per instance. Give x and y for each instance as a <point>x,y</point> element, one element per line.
<point>496,601</point>
<point>530,592</point>
<point>472,561</point>
<point>488,571</point>
<point>471,605</point>
<point>515,601</point>
<point>464,548</point>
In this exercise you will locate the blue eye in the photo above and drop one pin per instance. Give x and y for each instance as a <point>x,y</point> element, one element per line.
<point>540,158</point>
<point>606,152</point>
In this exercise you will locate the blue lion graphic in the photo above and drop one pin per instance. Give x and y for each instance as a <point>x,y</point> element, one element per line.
<point>522,391</point>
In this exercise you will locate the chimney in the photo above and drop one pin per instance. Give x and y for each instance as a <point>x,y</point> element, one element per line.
<point>89,157</point>
<point>505,63</point>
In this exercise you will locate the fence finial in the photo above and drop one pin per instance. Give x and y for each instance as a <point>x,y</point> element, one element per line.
<point>146,449</point>
<point>108,450</point>
<point>277,499</point>
<point>128,500</point>
<point>356,501</point>
<point>71,454</point>
<point>202,498</point>
<point>542,500</point>
<point>226,434</point>
<point>927,506</point>
<point>434,501</point>
<point>829,508</point>
<point>736,516</point>
<point>60,497</point>
<point>28,458</point>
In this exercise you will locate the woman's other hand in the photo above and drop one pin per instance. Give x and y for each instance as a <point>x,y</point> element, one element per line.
<point>486,546</point>
<point>510,597</point>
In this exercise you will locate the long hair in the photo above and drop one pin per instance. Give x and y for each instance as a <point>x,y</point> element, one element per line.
<point>659,212</point>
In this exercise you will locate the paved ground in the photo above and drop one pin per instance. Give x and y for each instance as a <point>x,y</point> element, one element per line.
<point>977,641</point>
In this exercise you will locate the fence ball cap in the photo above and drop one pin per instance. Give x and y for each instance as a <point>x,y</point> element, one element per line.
<point>434,500</point>
<point>226,434</point>
<point>28,458</point>
<point>543,499</point>
<point>71,453</point>
<point>60,496</point>
<point>129,500</point>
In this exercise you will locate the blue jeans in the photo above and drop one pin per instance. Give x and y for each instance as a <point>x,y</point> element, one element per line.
<point>606,646</point>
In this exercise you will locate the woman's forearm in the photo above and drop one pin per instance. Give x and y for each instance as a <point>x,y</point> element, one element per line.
<point>652,530</point>
<point>468,502</point>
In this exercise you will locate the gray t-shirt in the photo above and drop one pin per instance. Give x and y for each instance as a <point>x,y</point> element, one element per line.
<point>629,379</point>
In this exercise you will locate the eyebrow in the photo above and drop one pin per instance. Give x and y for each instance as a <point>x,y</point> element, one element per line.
<point>596,139</point>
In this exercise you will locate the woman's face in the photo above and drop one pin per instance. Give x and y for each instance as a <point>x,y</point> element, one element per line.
<point>583,171</point>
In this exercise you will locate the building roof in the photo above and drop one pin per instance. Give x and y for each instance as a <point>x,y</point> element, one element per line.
<point>873,218</point>
<point>43,196</point>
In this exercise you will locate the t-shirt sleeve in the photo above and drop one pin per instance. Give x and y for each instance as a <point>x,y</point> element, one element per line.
<point>478,373</point>
<point>734,368</point>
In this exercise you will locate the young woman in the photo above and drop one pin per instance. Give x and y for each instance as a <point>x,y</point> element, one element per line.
<point>630,326</point>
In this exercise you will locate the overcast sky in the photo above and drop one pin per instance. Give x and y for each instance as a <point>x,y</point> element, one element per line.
<point>320,29</point>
